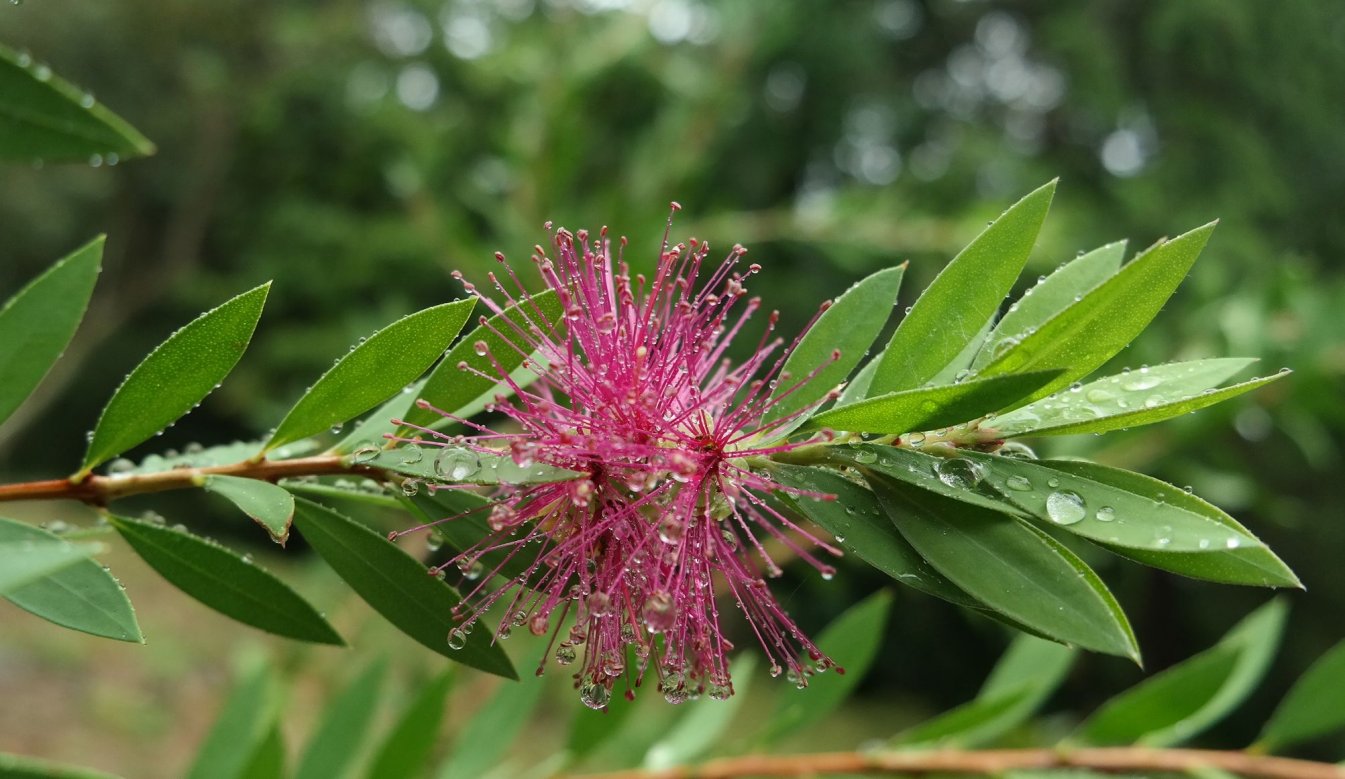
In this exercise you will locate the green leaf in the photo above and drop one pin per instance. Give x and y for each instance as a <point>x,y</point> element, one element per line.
<point>590,729</point>
<point>175,377</point>
<point>37,323</point>
<point>856,516</point>
<point>858,388</point>
<point>243,726</point>
<point>25,562</point>
<point>848,328</point>
<point>852,640</point>
<point>268,759</point>
<point>20,767</point>
<point>1131,399</point>
<point>1020,683</point>
<point>209,456</point>
<point>1182,701</point>
<point>408,745</point>
<point>450,388</point>
<point>1052,295</point>
<point>370,431</point>
<point>951,311</point>
<point>462,465</point>
<point>1250,563</point>
<point>1081,338</point>
<point>1010,567</point>
<point>341,491</point>
<point>702,724</point>
<point>960,367</point>
<point>226,582</point>
<point>948,477</point>
<point>927,408</point>
<point>1101,512</point>
<point>482,744</point>
<point>44,117</point>
<point>397,586</point>
<point>1308,711</point>
<point>82,596</point>
<point>466,527</point>
<point>269,505</point>
<point>373,371</point>
<point>331,750</point>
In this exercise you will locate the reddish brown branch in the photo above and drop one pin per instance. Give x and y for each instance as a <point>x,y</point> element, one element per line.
<point>991,762</point>
<point>100,490</point>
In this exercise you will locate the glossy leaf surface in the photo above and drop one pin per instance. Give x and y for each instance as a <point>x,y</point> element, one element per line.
<point>25,562</point>
<point>927,408</point>
<point>268,505</point>
<point>461,465</point>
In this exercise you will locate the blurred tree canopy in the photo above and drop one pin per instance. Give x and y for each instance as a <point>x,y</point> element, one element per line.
<point>356,152</point>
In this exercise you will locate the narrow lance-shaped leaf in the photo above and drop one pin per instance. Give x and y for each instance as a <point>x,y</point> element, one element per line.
<point>1104,321</point>
<point>1011,567</point>
<point>482,744</point>
<point>24,562</point>
<point>373,371</point>
<point>43,117</point>
<point>846,329</point>
<point>226,582</point>
<point>1051,296</point>
<point>397,587</point>
<point>950,478</point>
<point>371,431</point>
<point>960,367</point>
<point>852,640</point>
<point>703,724</point>
<point>83,596</point>
<point>927,408</point>
<point>37,323</point>
<point>345,720</point>
<point>268,759</point>
<point>458,520</point>
<point>243,725</point>
<point>175,377</point>
<point>22,767</point>
<point>407,747</point>
<point>461,465</point>
<point>450,387</point>
<point>268,505</point>
<point>952,310</point>
<point>1309,711</point>
<point>1248,562</point>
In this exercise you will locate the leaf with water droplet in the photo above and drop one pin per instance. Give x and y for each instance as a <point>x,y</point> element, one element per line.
<point>918,469</point>
<point>373,371</point>
<point>24,562</point>
<point>966,293</point>
<point>175,377</point>
<point>397,586</point>
<point>82,596</point>
<point>268,505</point>
<point>462,465</point>
<point>37,323</point>
<point>42,118</point>
<point>1092,330</point>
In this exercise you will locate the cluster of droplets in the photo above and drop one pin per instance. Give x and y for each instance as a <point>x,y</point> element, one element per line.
<point>621,562</point>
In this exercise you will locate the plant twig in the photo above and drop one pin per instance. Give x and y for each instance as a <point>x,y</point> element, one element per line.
<point>991,762</point>
<point>100,490</point>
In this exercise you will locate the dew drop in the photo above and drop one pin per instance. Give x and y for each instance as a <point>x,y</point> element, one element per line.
<point>866,456</point>
<point>457,639</point>
<point>1106,514</point>
<point>1065,508</point>
<point>959,473</point>
<point>1019,483</point>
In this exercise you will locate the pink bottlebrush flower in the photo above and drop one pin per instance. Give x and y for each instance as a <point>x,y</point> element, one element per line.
<point>635,393</point>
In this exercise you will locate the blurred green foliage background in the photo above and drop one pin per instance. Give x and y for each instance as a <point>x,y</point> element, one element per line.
<point>356,152</point>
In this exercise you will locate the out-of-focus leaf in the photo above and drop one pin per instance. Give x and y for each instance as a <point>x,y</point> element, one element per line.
<point>243,726</point>
<point>1131,399</point>
<point>926,408</point>
<point>373,371</point>
<point>462,465</point>
<point>849,327</point>
<point>176,376</point>
<point>1010,567</point>
<point>370,431</point>
<point>1052,295</point>
<point>82,596</point>
<point>449,387</point>
<point>407,746</point>
<point>331,750</point>
<point>703,724</point>
<point>28,561</point>
<point>268,759</point>
<point>862,528</point>
<point>44,117</point>
<point>954,478</point>
<point>38,322</point>
<point>1249,563</point>
<point>1184,700</point>
<point>20,767</point>
<point>396,586</point>
<point>852,640</point>
<point>482,744</point>
<point>1100,511</point>
<point>205,457</point>
<point>226,582</point>
<point>269,505</point>
<point>590,729</point>
<point>1313,706</point>
<point>950,312</point>
<point>1021,682</point>
<point>1081,338</point>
